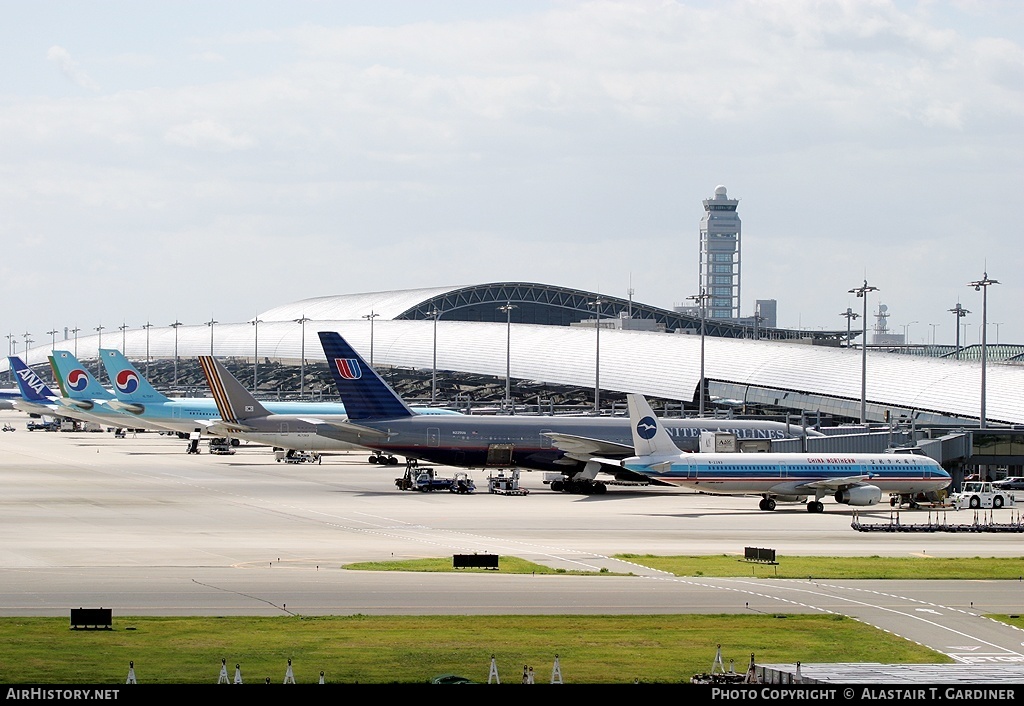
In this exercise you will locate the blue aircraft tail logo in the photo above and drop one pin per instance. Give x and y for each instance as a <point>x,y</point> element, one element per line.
<point>348,368</point>
<point>127,382</point>
<point>647,428</point>
<point>77,380</point>
<point>32,381</point>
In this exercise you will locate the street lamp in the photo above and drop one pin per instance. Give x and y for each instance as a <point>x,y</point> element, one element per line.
<point>906,340</point>
<point>960,313</point>
<point>862,292</point>
<point>53,337</point>
<point>302,356</point>
<point>175,326</point>
<point>435,314</point>
<point>255,350</point>
<point>992,323</point>
<point>75,331</point>
<point>10,351</point>
<point>982,286</point>
<point>701,300</point>
<point>933,333</point>
<point>27,341</point>
<point>509,306</point>
<point>211,323</point>
<point>123,327</point>
<point>850,314</point>
<point>371,316</point>
<point>99,339</point>
<point>597,303</point>
<point>147,326</point>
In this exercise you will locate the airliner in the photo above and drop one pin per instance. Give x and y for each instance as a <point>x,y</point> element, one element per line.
<point>38,399</point>
<point>851,479</point>
<point>378,418</point>
<point>136,396</point>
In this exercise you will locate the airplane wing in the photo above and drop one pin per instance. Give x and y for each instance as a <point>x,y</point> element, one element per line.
<point>584,448</point>
<point>834,483</point>
<point>351,432</point>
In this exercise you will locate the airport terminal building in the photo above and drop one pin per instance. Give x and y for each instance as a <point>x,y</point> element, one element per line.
<point>563,336</point>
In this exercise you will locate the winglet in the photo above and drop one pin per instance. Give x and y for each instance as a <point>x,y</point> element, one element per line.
<point>649,436</point>
<point>32,387</point>
<point>129,385</point>
<point>234,402</point>
<point>364,393</point>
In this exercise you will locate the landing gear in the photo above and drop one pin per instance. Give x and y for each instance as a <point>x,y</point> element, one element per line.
<point>383,460</point>
<point>767,504</point>
<point>579,487</point>
<point>815,506</point>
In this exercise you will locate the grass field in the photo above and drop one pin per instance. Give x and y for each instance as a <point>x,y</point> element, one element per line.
<point>386,649</point>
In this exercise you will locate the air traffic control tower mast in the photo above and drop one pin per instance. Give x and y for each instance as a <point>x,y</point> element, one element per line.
<point>720,255</point>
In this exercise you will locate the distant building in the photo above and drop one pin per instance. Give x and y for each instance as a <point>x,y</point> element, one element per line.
<point>720,256</point>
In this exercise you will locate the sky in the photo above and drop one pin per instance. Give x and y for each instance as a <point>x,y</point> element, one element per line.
<point>184,160</point>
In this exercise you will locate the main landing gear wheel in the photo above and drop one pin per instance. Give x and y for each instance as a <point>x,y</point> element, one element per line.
<point>815,506</point>
<point>767,504</point>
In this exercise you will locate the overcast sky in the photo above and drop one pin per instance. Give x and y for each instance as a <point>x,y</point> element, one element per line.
<point>188,160</point>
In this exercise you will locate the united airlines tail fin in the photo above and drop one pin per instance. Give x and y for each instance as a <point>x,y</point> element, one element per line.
<point>129,385</point>
<point>234,402</point>
<point>649,435</point>
<point>364,393</point>
<point>32,387</point>
<point>74,380</point>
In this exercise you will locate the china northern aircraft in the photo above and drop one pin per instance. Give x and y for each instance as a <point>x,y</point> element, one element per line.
<point>852,479</point>
<point>379,419</point>
<point>81,390</point>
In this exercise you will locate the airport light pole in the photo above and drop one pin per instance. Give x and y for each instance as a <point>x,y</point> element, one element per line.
<point>175,326</point>
<point>75,331</point>
<point>991,323</point>
<point>982,285</point>
<point>597,303</point>
<point>862,292</point>
<point>53,337</point>
<point>371,316</point>
<point>850,314</point>
<point>960,313</point>
<point>147,326</point>
<point>302,356</point>
<point>906,328</point>
<point>509,306</point>
<point>255,351</point>
<point>933,332</point>
<point>27,341</point>
<point>435,314</point>
<point>701,300</point>
<point>10,351</point>
<point>99,339</point>
<point>211,324</point>
<point>123,327</point>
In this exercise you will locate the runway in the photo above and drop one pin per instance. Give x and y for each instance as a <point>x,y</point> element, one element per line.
<point>139,526</point>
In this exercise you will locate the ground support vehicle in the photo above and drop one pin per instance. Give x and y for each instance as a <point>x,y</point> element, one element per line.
<point>221,447</point>
<point>502,484</point>
<point>978,494</point>
<point>425,480</point>
<point>293,456</point>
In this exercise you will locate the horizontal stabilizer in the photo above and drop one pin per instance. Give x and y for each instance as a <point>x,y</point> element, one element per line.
<point>127,406</point>
<point>573,444</point>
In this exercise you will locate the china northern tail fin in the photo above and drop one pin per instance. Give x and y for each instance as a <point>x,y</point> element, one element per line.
<point>363,392</point>
<point>129,385</point>
<point>234,402</point>
<point>649,435</point>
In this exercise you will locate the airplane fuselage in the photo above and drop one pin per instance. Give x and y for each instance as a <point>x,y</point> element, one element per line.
<point>492,442</point>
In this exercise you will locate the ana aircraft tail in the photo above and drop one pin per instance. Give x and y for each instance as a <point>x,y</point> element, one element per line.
<point>74,380</point>
<point>32,387</point>
<point>364,393</point>
<point>234,402</point>
<point>649,436</point>
<point>129,385</point>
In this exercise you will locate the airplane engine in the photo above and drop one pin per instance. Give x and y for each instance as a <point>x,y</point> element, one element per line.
<point>859,495</point>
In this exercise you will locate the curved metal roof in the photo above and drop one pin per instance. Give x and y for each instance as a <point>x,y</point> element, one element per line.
<point>656,364</point>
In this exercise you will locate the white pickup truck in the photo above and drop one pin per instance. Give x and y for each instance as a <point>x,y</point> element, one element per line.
<point>977,495</point>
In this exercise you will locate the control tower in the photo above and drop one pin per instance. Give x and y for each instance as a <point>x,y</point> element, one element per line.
<point>720,255</point>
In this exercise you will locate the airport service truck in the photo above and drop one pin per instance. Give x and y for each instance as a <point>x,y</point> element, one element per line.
<point>977,495</point>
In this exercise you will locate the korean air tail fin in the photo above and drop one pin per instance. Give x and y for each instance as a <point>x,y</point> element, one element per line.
<point>649,435</point>
<point>74,380</point>
<point>129,385</point>
<point>364,393</point>
<point>234,402</point>
<point>31,386</point>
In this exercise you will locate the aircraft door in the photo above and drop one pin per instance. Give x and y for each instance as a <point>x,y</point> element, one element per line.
<point>433,437</point>
<point>499,455</point>
<point>284,427</point>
